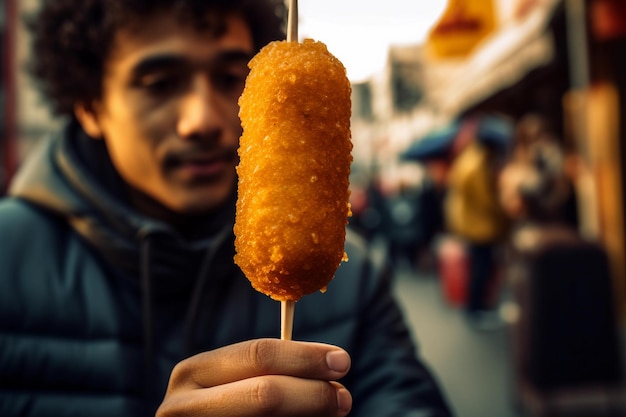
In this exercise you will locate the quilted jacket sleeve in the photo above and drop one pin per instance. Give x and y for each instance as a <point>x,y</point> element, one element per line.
<point>388,378</point>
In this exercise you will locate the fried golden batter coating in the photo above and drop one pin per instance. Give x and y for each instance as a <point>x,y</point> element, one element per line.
<point>294,169</point>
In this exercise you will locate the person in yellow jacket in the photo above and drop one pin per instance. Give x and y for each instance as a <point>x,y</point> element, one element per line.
<point>473,211</point>
<point>472,206</point>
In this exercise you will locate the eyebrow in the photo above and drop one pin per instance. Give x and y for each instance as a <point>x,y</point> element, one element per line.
<point>163,61</point>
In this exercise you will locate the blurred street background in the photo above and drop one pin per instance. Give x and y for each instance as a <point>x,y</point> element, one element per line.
<point>474,367</point>
<point>489,170</point>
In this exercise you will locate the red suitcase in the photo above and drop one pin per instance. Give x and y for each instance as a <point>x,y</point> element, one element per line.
<point>453,270</point>
<point>453,266</point>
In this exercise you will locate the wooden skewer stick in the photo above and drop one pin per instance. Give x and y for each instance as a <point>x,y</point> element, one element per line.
<point>287,307</point>
<point>286,319</point>
<point>292,21</point>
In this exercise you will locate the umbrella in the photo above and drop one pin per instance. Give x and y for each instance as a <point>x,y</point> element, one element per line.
<point>495,131</point>
<point>433,145</point>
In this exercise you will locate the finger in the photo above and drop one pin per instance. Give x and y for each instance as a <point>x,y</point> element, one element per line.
<point>262,357</point>
<point>272,395</point>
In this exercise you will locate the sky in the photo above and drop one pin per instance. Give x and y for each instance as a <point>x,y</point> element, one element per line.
<point>359,32</point>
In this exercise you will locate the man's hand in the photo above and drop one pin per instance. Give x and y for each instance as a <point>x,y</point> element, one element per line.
<point>264,377</point>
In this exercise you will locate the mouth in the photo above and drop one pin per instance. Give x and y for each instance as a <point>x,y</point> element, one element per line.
<point>202,166</point>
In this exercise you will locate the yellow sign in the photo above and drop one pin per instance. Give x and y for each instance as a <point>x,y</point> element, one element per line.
<point>463,25</point>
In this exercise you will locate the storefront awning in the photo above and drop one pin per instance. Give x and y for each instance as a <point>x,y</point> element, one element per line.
<point>502,60</point>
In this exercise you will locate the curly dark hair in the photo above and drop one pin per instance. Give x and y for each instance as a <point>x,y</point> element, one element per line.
<point>72,38</point>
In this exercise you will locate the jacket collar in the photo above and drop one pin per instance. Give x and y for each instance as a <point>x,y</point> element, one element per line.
<point>71,175</point>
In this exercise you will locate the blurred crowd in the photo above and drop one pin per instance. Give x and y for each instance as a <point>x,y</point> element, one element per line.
<point>486,181</point>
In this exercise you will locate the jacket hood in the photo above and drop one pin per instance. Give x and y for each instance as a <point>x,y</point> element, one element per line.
<point>71,176</point>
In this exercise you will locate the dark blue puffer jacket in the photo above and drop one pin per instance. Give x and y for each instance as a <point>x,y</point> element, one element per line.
<point>97,304</point>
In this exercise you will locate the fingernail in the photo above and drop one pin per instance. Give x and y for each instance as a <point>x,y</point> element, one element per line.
<point>338,361</point>
<point>344,401</point>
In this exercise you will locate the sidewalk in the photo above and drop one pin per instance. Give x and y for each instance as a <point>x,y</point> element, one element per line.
<point>473,367</point>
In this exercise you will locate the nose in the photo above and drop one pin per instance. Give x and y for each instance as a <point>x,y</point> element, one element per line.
<point>199,111</point>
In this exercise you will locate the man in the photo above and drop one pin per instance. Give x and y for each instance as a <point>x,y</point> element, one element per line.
<point>118,291</point>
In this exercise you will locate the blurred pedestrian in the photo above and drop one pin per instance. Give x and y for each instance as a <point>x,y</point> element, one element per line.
<point>534,185</point>
<point>474,214</point>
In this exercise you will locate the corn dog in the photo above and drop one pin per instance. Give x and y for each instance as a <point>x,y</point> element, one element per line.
<point>294,168</point>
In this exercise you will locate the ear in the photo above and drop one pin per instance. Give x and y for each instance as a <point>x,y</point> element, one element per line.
<point>88,119</point>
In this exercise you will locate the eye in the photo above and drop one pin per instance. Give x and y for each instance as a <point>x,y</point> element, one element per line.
<point>162,83</point>
<point>230,82</point>
<point>230,79</point>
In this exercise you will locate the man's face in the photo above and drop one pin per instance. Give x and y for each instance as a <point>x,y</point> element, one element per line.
<point>169,112</point>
